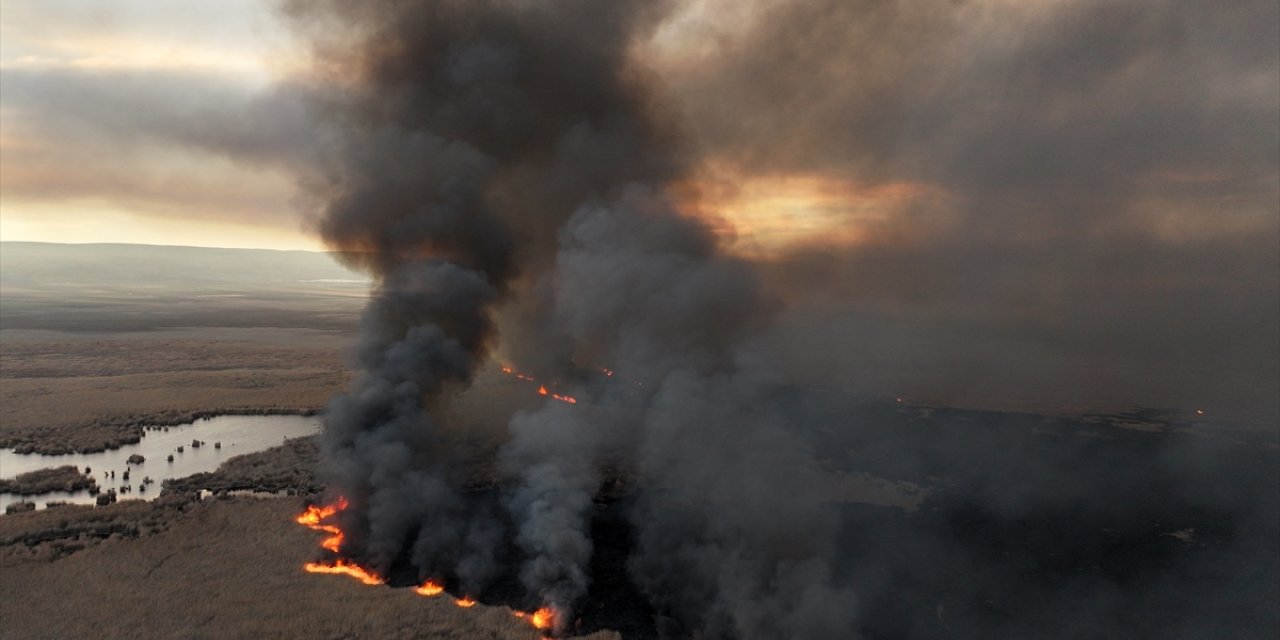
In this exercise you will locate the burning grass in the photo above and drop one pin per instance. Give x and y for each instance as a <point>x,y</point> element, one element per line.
<point>319,518</point>
<point>215,569</point>
<point>542,388</point>
<point>543,619</point>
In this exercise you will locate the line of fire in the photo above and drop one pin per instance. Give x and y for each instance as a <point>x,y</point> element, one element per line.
<point>320,517</point>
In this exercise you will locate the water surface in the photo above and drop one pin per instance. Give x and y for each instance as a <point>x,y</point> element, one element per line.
<point>238,435</point>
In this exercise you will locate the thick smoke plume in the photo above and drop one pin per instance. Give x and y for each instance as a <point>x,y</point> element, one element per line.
<point>733,539</point>
<point>491,152</point>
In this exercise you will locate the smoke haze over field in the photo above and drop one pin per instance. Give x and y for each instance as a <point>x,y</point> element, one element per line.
<point>1089,193</point>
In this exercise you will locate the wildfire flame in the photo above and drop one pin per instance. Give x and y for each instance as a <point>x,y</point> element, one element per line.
<point>313,518</point>
<point>345,567</point>
<point>542,388</point>
<point>543,619</point>
<point>315,513</point>
<point>429,589</point>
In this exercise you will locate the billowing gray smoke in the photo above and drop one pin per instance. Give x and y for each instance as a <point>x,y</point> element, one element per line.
<point>733,539</point>
<point>508,152</point>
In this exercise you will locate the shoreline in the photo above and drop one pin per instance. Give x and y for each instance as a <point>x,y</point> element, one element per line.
<point>133,429</point>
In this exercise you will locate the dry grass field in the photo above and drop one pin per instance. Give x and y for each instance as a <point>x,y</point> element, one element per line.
<point>98,341</point>
<point>66,392</point>
<point>220,568</point>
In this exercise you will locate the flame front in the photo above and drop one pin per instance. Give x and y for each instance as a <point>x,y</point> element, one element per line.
<point>333,542</point>
<point>543,619</point>
<point>313,518</point>
<point>429,588</point>
<point>315,513</point>
<point>345,567</point>
<point>542,388</point>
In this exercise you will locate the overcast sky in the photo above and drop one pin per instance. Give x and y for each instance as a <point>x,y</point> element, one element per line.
<point>118,121</point>
<point>818,120</point>
<point>953,189</point>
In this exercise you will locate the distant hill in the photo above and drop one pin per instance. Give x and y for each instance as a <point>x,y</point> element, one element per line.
<point>27,265</point>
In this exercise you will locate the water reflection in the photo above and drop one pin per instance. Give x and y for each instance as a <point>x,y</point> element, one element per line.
<point>236,434</point>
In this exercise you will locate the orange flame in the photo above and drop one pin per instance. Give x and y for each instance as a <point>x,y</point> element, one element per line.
<point>542,391</point>
<point>312,518</point>
<point>429,588</point>
<point>314,514</point>
<point>334,542</point>
<point>543,619</point>
<point>542,388</point>
<point>344,567</point>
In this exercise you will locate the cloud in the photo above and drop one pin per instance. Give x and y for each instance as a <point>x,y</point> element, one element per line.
<point>148,114</point>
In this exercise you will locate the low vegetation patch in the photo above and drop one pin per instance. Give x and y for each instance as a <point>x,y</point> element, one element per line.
<point>65,478</point>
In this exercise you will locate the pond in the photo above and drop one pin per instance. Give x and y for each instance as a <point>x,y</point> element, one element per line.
<point>237,435</point>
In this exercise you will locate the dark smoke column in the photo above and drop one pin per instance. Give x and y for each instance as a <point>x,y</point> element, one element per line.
<point>734,537</point>
<point>409,207</point>
<point>464,134</point>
